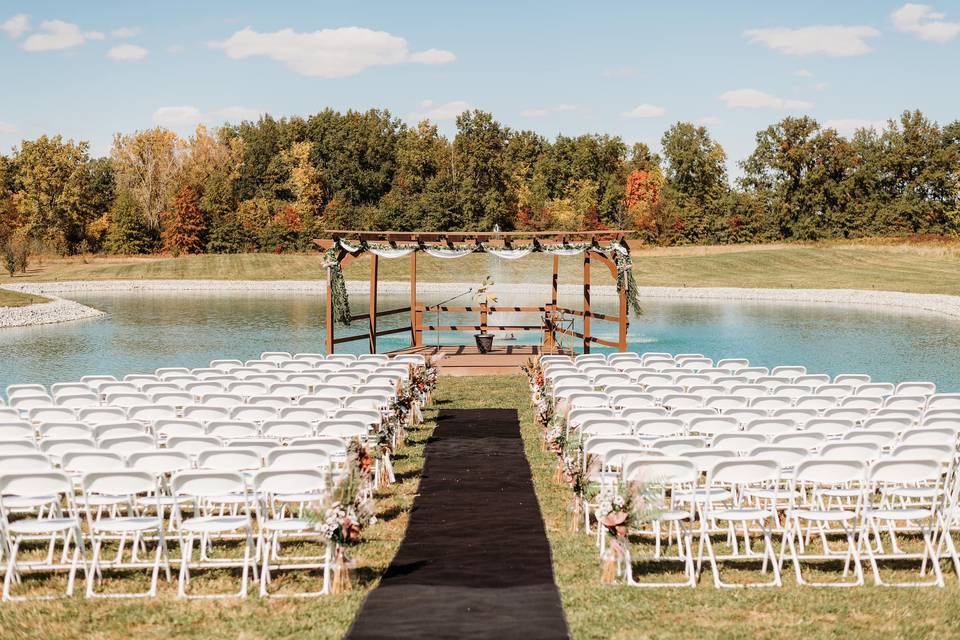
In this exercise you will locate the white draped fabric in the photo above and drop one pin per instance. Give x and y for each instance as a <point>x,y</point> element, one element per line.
<point>391,252</point>
<point>448,253</point>
<point>348,247</point>
<point>508,254</point>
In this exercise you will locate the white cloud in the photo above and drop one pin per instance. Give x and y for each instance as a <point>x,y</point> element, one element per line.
<point>645,111</point>
<point>755,99</point>
<point>820,86</point>
<point>235,114</point>
<point>176,49</point>
<point>542,112</point>
<point>188,116</point>
<point>847,126</point>
<point>924,21</point>
<point>429,110</point>
<point>177,117</point>
<point>329,53</point>
<point>708,120</point>
<point>803,73</point>
<point>7,128</point>
<point>16,26</point>
<point>125,32</point>
<point>833,41</point>
<point>127,53</point>
<point>433,56</point>
<point>57,34</point>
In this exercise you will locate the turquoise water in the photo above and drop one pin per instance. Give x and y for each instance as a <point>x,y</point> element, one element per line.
<point>146,331</point>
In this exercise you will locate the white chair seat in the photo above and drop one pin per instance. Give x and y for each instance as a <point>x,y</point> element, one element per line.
<point>900,514</point>
<point>214,524</point>
<point>20,504</point>
<point>121,525</point>
<point>700,495</point>
<point>824,515</point>
<point>914,492</point>
<point>165,501</point>
<point>288,524</point>
<point>673,516</point>
<point>769,494</point>
<point>44,525</point>
<point>741,515</point>
<point>106,501</point>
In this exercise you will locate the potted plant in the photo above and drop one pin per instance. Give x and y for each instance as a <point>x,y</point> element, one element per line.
<point>484,296</point>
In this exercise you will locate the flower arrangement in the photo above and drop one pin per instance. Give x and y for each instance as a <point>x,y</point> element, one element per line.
<point>349,510</point>
<point>619,510</point>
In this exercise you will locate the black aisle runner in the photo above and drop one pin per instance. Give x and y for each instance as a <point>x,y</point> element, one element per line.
<point>475,562</point>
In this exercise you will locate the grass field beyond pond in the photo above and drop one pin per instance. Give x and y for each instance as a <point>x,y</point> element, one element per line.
<point>919,268</point>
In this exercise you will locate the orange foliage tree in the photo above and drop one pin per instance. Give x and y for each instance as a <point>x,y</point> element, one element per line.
<point>183,224</point>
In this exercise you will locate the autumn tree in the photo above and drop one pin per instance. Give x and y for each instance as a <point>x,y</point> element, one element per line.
<point>183,224</point>
<point>53,190</point>
<point>146,165</point>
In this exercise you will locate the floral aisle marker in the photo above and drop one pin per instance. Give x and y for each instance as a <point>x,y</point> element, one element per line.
<point>349,511</point>
<point>620,507</point>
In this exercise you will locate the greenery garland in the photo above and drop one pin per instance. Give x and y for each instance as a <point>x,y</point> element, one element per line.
<point>625,279</point>
<point>338,288</point>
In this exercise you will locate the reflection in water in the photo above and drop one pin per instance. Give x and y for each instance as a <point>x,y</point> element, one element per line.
<point>149,330</point>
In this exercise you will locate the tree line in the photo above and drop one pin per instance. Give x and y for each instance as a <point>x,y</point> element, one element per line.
<point>274,184</point>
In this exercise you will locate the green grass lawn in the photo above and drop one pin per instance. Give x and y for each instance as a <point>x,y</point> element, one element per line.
<point>922,268</point>
<point>593,610</point>
<point>166,617</point>
<point>16,299</point>
<point>597,611</point>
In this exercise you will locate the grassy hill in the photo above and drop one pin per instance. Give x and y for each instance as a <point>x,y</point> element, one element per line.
<point>912,267</point>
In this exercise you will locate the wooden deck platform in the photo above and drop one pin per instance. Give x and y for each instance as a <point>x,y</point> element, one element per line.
<point>462,360</point>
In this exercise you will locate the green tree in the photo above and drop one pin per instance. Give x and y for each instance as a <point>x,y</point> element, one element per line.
<point>129,232</point>
<point>480,174</point>
<point>696,176</point>
<point>53,190</point>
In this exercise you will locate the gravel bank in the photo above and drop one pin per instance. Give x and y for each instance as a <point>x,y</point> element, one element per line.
<point>61,310</point>
<point>57,310</point>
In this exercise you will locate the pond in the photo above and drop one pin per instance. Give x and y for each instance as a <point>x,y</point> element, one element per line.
<point>144,331</point>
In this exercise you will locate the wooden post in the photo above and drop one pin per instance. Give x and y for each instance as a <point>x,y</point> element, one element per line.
<point>329,313</point>
<point>374,268</point>
<point>623,321</point>
<point>550,340</point>
<point>413,300</point>
<point>586,302</point>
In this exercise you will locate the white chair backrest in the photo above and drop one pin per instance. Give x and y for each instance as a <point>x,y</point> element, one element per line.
<point>659,427</point>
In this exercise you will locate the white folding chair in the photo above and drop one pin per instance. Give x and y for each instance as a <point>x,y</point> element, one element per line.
<point>737,476</point>
<point>131,485</point>
<point>810,508</point>
<point>206,491</point>
<point>665,476</point>
<point>278,491</point>
<point>883,512</point>
<point>59,522</point>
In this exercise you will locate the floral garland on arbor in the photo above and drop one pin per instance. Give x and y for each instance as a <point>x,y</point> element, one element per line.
<point>618,252</point>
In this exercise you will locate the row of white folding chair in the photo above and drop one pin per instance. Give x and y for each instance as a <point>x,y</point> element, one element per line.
<point>201,488</point>
<point>180,378</point>
<point>857,409</point>
<point>736,479</point>
<point>379,397</point>
<point>163,429</point>
<point>762,431</point>
<point>232,435</point>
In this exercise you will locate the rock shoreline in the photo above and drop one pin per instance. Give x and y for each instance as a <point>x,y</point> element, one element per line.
<point>63,310</point>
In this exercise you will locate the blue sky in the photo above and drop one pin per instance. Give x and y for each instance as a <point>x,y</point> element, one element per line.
<point>89,69</point>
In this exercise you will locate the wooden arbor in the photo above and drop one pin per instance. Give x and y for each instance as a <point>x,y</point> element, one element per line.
<point>348,245</point>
